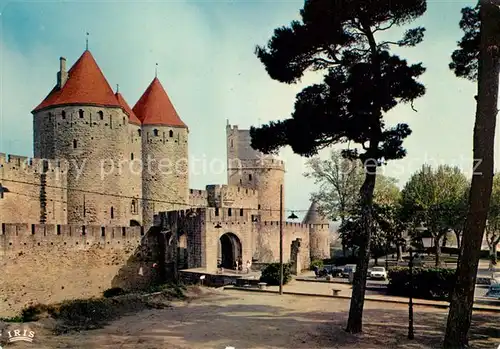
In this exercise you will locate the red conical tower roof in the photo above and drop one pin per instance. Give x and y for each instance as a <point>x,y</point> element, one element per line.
<point>133,119</point>
<point>86,85</point>
<point>155,108</point>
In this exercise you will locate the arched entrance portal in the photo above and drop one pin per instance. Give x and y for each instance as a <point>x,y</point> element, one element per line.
<point>229,250</point>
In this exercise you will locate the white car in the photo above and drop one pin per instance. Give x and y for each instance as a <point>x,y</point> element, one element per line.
<point>495,278</point>
<point>378,273</point>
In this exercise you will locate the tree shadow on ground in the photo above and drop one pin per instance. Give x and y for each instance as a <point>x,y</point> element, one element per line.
<point>275,323</point>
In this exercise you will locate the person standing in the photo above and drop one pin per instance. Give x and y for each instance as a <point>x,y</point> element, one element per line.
<point>249,265</point>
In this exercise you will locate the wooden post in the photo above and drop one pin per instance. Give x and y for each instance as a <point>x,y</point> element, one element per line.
<point>410,303</point>
<point>281,239</point>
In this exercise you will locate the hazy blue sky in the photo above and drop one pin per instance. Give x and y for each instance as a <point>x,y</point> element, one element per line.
<point>205,52</point>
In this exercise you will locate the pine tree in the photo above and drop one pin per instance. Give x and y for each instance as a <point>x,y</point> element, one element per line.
<point>362,82</point>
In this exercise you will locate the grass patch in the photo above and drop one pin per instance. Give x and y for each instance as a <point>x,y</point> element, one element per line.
<point>93,313</point>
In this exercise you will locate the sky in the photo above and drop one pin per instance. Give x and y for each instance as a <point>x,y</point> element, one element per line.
<point>206,62</point>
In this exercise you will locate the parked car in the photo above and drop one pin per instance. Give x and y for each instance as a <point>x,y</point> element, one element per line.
<point>349,268</point>
<point>493,291</point>
<point>378,273</point>
<point>336,271</point>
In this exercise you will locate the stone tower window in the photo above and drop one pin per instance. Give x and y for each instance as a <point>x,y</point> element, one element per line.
<point>131,156</point>
<point>170,133</point>
<point>216,211</point>
<point>231,143</point>
<point>133,206</point>
<point>229,212</point>
<point>101,114</point>
<point>241,212</point>
<point>258,207</point>
<point>139,132</point>
<point>124,120</point>
<point>112,212</point>
<point>155,132</point>
<point>80,112</point>
<point>75,143</point>
<point>63,114</point>
<point>250,177</point>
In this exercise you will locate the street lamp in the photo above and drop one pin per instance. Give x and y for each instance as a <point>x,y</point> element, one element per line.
<point>410,301</point>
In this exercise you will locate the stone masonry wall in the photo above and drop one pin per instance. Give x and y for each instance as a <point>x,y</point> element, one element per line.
<point>93,141</point>
<point>135,172</point>
<point>197,198</point>
<point>249,168</point>
<point>34,191</point>
<point>320,241</point>
<point>267,241</point>
<point>165,174</point>
<point>232,196</point>
<point>51,263</point>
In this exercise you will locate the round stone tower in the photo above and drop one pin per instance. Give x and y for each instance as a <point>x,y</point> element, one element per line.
<point>319,233</point>
<point>132,169</point>
<point>249,168</point>
<point>81,122</point>
<point>164,154</point>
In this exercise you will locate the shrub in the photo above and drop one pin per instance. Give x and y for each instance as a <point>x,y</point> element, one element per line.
<point>428,283</point>
<point>271,274</point>
<point>317,263</point>
<point>112,292</point>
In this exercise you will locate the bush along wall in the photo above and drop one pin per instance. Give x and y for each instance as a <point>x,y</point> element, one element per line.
<point>428,283</point>
<point>271,274</point>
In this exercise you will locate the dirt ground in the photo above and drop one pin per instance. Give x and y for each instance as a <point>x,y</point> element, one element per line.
<point>219,319</point>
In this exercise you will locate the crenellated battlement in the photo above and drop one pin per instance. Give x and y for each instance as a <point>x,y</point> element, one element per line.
<point>33,165</point>
<point>22,236</point>
<point>262,163</point>
<point>232,190</point>
<point>230,214</point>
<point>198,193</point>
<point>231,196</point>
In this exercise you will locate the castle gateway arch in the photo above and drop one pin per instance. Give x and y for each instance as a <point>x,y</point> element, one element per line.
<point>229,250</point>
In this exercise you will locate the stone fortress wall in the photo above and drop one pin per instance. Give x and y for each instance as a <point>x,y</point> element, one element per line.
<point>77,223</point>
<point>32,190</point>
<point>53,262</point>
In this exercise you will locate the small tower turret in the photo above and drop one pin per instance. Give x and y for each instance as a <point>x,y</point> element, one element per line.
<point>252,169</point>
<point>81,122</point>
<point>319,233</point>
<point>164,153</point>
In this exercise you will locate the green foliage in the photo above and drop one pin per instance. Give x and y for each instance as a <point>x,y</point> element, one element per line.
<point>341,261</point>
<point>317,263</point>
<point>362,79</point>
<point>112,292</point>
<point>339,180</point>
<point>437,198</point>
<point>465,59</point>
<point>271,274</point>
<point>428,283</point>
<point>493,222</point>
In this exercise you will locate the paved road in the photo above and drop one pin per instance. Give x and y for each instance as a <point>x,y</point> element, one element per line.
<point>379,286</point>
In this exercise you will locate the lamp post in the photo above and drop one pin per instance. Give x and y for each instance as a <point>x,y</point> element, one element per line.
<point>410,302</point>
<point>281,239</point>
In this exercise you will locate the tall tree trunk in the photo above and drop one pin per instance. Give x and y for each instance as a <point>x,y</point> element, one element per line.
<point>355,321</point>
<point>462,299</point>
<point>437,252</point>
<point>493,254</point>
<point>399,252</point>
<point>458,237</point>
